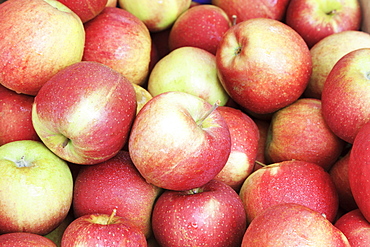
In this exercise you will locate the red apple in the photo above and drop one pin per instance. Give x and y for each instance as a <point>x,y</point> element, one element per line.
<point>359,172</point>
<point>244,145</point>
<point>211,215</point>
<point>202,26</point>
<point>316,19</point>
<point>103,230</point>
<point>16,120</point>
<point>339,175</point>
<point>115,183</point>
<point>346,94</point>
<point>289,182</point>
<point>290,224</point>
<point>263,64</point>
<point>179,141</point>
<point>249,9</point>
<point>25,239</point>
<point>84,113</point>
<point>39,38</point>
<point>121,41</point>
<point>355,227</point>
<point>326,53</point>
<point>299,132</point>
<point>85,9</point>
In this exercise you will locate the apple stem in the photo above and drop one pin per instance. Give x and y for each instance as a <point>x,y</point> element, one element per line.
<point>109,221</point>
<point>260,163</point>
<point>234,19</point>
<point>214,107</point>
<point>332,12</point>
<point>65,143</point>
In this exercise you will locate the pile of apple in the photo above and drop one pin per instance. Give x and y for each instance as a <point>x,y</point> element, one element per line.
<point>184,123</point>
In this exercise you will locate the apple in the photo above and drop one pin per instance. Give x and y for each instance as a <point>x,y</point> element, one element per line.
<point>115,183</point>
<point>142,96</point>
<point>326,53</point>
<point>16,120</point>
<point>201,26</point>
<point>291,181</point>
<point>249,9</point>
<point>339,175</point>
<point>291,224</point>
<point>85,9</point>
<point>103,230</point>
<point>84,113</point>
<point>244,145</point>
<point>121,41</point>
<point>299,131</point>
<point>355,227</point>
<point>346,94</point>
<point>25,239</point>
<point>156,15</point>
<point>211,215</point>
<point>39,38</point>
<point>191,70</point>
<point>263,64</point>
<point>179,141</point>
<point>316,19</point>
<point>112,3</point>
<point>358,171</point>
<point>36,188</point>
<point>365,8</point>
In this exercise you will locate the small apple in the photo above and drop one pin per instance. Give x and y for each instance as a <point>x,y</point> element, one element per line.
<point>355,227</point>
<point>121,41</point>
<point>39,38</point>
<point>201,26</point>
<point>289,182</point>
<point>191,70</point>
<point>16,120</point>
<point>211,215</point>
<point>115,183</point>
<point>85,9</point>
<point>156,15</point>
<point>346,94</point>
<point>25,239</point>
<point>291,224</point>
<point>326,53</point>
<point>316,19</point>
<point>102,230</point>
<point>84,113</point>
<point>358,170</point>
<point>179,141</point>
<point>263,64</point>
<point>299,131</point>
<point>244,145</point>
<point>36,188</point>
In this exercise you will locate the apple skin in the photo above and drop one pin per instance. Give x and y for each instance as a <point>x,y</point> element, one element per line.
<point>85,112</point>
<point>38,182</point>
<point>174,146</point>
<point>346,94</point>
<point>142,96</point>
<point>85,9</point>
<point>16,120</point>
<point>299,132</point>
<point>263,74</point>
<point>39,38</point>
<point>244,145</point>
<point>326,53</point>
<point>289,182</point>
<point>316,19</point>
<point>290,224</point>
<point>212,215</point>
<point>191,70</point>
<point>25,239</point>
<point>121,41</point>
<point>201,26</point>
<point>112,3</point>
<point>358,170</point>
<point>157,15</point>
<point>250,9</point>
<point>115,183</point>
<point>355,227</point>
<point>102,230</point>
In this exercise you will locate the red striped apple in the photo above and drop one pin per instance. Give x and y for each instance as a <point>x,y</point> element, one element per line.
<point>85,9</point>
